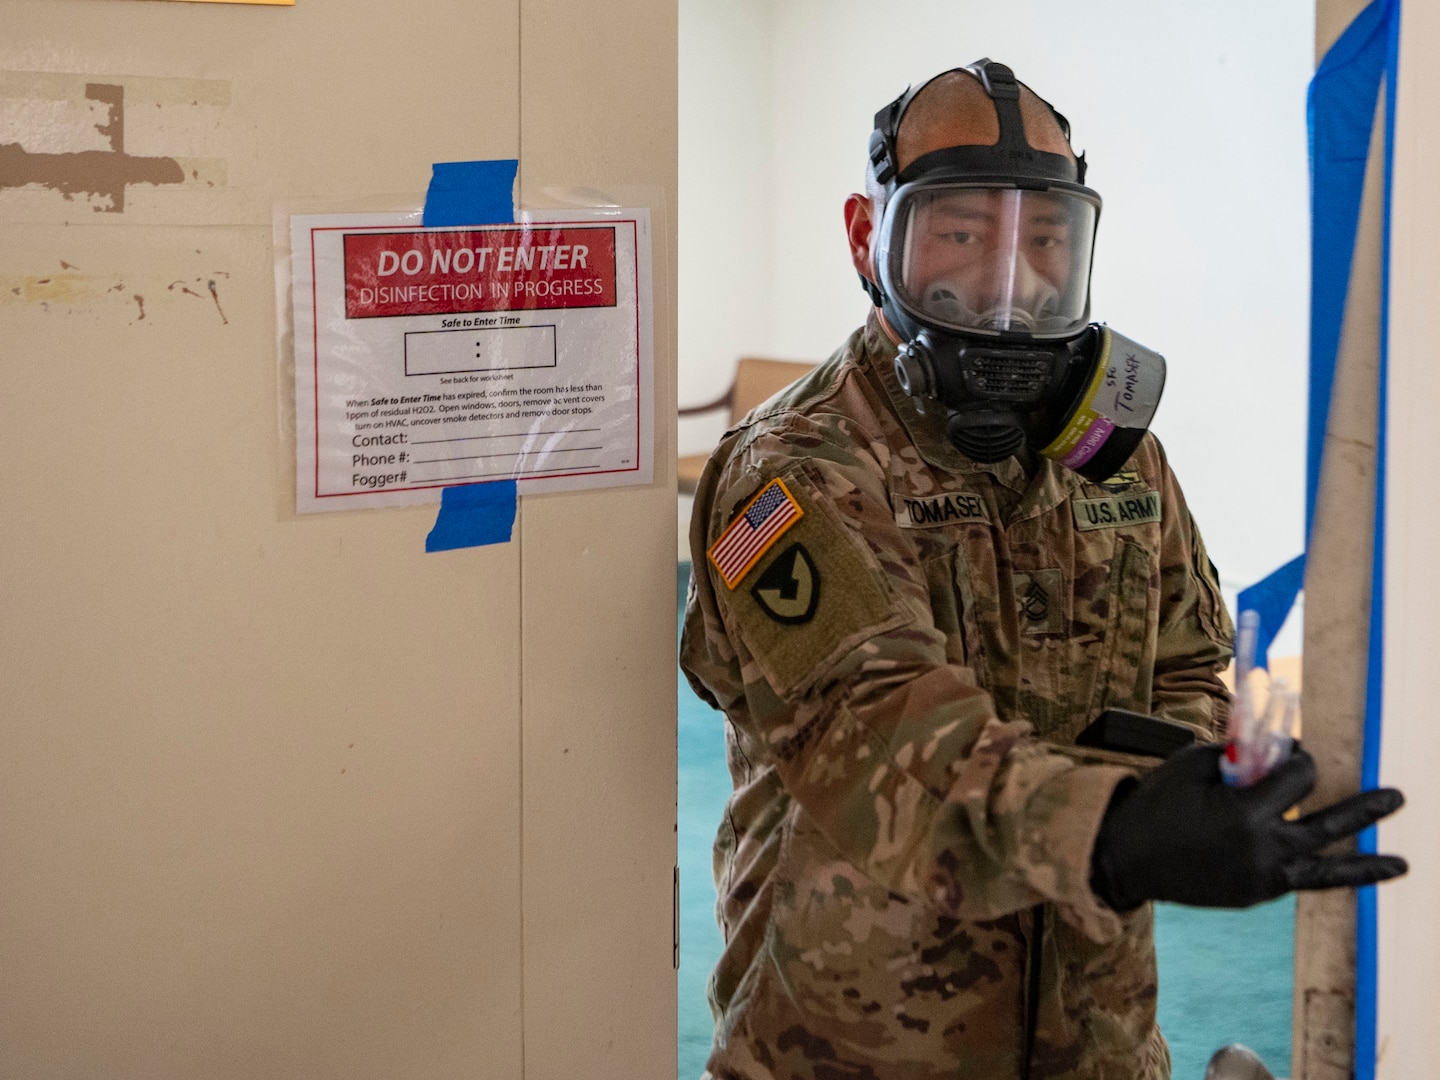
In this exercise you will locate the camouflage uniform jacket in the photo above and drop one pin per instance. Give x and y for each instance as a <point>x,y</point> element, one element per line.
<point>903,867</point>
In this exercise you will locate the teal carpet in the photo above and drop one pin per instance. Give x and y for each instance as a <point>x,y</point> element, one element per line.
<point>1225,976</point>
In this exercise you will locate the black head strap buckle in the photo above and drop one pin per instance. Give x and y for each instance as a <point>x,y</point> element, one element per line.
<point>997,79</point>
<point>882,156</point>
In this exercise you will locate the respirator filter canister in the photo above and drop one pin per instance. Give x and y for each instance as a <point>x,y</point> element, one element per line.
<point>1102,427</point>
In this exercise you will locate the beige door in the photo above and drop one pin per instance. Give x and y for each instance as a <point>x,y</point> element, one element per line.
<point>283,796</point>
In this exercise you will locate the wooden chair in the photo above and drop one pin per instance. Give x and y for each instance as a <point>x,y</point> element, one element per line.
<point>756,380</point>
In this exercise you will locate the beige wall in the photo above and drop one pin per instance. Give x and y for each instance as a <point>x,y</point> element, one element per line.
<point>1408,1024</point>
<point>285,796</point>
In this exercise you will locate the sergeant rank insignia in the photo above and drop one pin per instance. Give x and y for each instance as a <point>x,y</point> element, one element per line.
<point>789,589</point>
<point>762,522</point>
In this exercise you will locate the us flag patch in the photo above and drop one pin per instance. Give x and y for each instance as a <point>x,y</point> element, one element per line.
<point>762,522</point>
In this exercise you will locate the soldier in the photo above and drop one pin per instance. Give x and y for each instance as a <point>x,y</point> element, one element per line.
<point>919,574</point>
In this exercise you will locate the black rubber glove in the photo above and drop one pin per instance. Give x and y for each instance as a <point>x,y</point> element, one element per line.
<point>1181,834</point>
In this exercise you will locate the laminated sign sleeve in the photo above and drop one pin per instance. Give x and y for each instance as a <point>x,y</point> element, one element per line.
<point>810,624</point>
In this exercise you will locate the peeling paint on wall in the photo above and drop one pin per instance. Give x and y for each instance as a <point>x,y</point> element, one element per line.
<point>72,135</point>
<point>101,173</point>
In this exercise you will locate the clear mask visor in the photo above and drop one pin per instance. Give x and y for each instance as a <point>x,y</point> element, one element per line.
<point>990,259</point>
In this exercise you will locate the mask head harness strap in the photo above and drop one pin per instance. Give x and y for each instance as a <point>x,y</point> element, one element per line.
<point>1011,158</point>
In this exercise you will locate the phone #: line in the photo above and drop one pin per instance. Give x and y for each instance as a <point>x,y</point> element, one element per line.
<point>476,457</point>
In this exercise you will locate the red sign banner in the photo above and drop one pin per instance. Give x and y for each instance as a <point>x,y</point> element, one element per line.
<point>527,268</point>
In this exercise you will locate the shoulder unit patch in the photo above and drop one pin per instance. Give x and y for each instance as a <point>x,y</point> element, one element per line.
<point>754,531</point>
<point>789,591</point>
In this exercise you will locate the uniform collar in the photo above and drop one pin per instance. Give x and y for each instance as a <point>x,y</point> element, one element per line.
<point>1052,483</point>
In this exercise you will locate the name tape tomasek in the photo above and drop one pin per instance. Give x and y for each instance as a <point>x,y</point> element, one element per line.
<point>933,511</point>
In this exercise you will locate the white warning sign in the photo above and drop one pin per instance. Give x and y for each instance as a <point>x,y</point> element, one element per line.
<point>426,358</point>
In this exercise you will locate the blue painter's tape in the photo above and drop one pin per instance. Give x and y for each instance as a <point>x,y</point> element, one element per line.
<point>1272,599</point>
<point>472,515</point>
<point>1342,102</point>
<point>1340,115</point>
<point>471,193</point>
<point>1367,915</point>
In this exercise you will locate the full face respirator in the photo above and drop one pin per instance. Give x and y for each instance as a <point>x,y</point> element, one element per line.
<point>983,256</point>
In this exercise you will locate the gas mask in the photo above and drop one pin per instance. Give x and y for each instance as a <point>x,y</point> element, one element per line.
<point>983,256</point>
